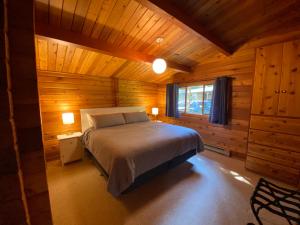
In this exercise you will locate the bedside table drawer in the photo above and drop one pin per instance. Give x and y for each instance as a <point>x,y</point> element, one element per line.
<point>70,149</point>
<point>70,143</point>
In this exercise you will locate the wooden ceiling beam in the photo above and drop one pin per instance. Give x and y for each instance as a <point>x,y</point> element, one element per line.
<point>47,31</point>
<point>184,21</point>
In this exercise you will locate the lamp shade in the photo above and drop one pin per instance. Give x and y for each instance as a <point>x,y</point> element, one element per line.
<point>68,118</point>
<point>159,65</point>
<point>155,111</point>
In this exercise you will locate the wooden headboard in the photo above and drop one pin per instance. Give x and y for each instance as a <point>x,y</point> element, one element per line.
<point>83,113</point>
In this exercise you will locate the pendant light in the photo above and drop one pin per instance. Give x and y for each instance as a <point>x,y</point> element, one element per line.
<point>159,65</point>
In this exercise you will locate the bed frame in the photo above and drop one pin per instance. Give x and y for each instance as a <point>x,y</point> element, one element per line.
<point>145,176</point>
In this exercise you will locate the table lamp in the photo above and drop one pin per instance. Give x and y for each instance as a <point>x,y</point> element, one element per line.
<point>68,118</point>
<point>155,112</point>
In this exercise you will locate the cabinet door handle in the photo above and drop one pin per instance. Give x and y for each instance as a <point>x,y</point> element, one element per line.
<point>283,91</point>
<point>277,92</point>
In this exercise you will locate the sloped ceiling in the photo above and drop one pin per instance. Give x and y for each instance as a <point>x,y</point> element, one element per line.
<point>130,24</point>
<point>60,57</point>
<point>235,22</point>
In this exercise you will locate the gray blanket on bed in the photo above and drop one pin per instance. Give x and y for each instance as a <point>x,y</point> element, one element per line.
<point>129,150</point>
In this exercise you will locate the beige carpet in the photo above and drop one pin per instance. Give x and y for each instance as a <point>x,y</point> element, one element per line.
<point>209,189</point>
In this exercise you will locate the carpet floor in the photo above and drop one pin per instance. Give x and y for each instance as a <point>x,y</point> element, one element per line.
<point>208,189</point>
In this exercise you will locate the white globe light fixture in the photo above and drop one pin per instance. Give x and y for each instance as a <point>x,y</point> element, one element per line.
<point>159,65</point>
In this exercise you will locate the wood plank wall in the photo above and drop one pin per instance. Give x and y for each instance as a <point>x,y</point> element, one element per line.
<point>11,196</point>
<point>64,92</point>
<point>24,197</point>
<point>274,135</point>
<point>112,92</point>
<point>135,93</point>
<point>233,137</point>
<point>241,67</point>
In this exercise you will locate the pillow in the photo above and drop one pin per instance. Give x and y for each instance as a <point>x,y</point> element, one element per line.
<point>135,117</point>
<point>106,120</point>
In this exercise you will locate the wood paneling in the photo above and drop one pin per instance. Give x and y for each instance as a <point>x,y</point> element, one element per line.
<point>54,34</point>
<point>233,137</point>
<point>124,24</point>
<point>130,24</point>
<point>276,155</point>
<point>274,135</point>
<point>267,80</point>
<point>12,209</point>
<point>65,92</point>
<point>271,132</point>
<point>135,93</point>
<point>290,80</point>
<point>275,124</point>
<point>186,22</point>
<point>236,22</point>
<point>284,173</point>
<point>284,141</point>
<point>58,56</point>
<point>24,192</point>
<point>277,80</point>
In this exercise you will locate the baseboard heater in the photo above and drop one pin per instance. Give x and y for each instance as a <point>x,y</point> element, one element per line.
<point>218,150</point>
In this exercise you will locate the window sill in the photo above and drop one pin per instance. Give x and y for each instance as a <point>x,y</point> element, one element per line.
<point>194,115</point>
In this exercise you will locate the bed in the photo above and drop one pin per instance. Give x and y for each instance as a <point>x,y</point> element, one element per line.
<point>132,150</point>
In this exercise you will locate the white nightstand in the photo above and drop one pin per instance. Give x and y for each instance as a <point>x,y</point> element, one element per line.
<point>70,146</point>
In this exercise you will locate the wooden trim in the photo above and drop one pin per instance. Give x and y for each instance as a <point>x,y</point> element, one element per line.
<point>190,84</point>
<point>194,115</point>
<point>48,32</point>
<point>202,103</point>
<point>279,116</point>
<point>184,21</point>
<point>272,146</point>
<point>116,91</point>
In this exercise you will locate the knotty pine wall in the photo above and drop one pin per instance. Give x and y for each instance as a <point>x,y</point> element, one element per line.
<point>240,66</point>
<point>136,93</point>
<point>61,92</point>
<point>233,137</point>
<point>64,92</point>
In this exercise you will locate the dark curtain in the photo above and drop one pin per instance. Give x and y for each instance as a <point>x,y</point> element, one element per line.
<point>221,100</point>
<point>172,100</point>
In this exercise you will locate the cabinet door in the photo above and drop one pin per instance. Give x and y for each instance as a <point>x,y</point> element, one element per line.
<point>289,98</point>
<point>267,80</point>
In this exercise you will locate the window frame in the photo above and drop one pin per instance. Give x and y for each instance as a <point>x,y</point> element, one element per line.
<point>186,85</point>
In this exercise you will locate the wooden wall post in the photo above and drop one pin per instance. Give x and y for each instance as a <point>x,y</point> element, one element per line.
<point>24,194</point>
<point>116,91</point>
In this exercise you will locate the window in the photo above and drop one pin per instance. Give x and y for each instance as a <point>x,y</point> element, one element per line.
<point>195,99</point>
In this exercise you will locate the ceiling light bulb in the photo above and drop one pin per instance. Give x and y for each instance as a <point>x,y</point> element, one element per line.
<point>159,66</point>
<point>159,40</point>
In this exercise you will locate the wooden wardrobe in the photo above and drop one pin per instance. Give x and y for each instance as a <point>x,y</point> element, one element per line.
<point>274,135</point>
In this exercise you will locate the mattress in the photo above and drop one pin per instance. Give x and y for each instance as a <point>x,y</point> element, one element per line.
<point>129,150</point>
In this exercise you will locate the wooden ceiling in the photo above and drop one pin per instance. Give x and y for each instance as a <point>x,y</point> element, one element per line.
<point>134,25</point>
<point>60,57</point>
<point>235,22</point>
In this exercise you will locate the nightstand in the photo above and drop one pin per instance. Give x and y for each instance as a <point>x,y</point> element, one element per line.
<point>70,146</point>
